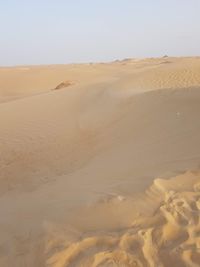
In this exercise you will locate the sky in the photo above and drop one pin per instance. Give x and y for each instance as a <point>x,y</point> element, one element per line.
<point>73,31</point>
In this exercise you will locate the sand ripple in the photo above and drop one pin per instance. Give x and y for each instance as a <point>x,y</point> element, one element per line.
<point>169,237</point>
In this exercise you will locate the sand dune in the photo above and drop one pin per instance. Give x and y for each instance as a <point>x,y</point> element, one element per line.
<point>78,164</point>
<point>129,75</point>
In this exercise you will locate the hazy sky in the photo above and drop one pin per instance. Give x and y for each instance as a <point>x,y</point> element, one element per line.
<point>63,31</point>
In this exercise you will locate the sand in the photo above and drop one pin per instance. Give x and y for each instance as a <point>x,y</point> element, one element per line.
<point>100,164</point>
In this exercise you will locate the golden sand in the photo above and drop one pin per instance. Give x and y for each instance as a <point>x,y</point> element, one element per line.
<point>79,165</point>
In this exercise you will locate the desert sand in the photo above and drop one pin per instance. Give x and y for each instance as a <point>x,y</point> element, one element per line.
<point>100,164</point>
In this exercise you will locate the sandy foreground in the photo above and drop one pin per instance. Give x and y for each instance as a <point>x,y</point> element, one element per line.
<point>100,164</point>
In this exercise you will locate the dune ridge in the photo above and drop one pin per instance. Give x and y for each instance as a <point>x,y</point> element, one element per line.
<point>133,75</point>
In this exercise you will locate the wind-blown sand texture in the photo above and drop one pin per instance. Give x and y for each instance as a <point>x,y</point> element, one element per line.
<point>79,166</point>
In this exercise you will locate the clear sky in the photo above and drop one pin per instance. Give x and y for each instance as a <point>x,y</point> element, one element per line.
<point>65,31</point>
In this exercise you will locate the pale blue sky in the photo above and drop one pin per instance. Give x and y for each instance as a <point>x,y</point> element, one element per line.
<point>64,31</point>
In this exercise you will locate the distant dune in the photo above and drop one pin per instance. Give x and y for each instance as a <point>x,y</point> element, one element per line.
<point>81,150</point>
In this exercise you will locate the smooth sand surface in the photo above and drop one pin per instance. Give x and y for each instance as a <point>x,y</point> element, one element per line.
<point>100,164</point>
